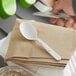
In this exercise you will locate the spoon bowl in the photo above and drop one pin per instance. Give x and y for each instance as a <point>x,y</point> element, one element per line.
<point>28,31</point>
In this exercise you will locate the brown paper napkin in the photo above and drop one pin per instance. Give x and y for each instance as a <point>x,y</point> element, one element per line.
<point>62,40</point>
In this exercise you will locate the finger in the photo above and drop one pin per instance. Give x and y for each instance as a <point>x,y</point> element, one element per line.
<point>53,20</point>
<point>69,23</point>
<point>60,22</point>
<point>74,26</point>
<point>56,8</point>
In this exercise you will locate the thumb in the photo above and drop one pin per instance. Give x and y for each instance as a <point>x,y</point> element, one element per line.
<point>56,7</point>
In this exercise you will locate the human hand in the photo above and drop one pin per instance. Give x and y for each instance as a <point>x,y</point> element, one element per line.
<point>63,5</point>
<point>66,7</point>
<point>70,23</point>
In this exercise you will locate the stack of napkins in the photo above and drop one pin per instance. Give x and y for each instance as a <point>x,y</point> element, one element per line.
<point>23,51</point>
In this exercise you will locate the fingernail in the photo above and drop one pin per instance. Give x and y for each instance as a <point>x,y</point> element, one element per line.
<point>53,20</point>
<point>71,21</point>
<point>60,22</point>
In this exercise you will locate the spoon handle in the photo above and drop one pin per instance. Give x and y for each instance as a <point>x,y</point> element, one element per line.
<point>49,50</point>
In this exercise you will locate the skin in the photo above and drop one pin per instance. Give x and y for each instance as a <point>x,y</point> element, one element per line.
<point>49,2</point>
<point>66,7</point>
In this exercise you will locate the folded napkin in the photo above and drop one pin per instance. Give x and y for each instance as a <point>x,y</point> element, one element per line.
<point>23,51</point>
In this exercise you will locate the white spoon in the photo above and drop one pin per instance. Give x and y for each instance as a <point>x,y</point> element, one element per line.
<point>30,33</point>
